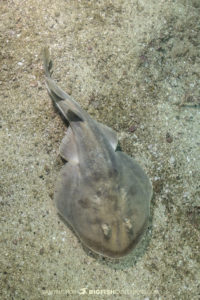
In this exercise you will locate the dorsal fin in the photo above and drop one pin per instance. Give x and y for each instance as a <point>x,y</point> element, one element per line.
<point>73,117</point>
<point>57,91</point>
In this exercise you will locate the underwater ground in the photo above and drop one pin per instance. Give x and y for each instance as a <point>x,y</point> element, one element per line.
<point>134,66</point>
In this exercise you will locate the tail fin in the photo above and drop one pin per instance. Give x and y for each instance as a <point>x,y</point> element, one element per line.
<point>67,106</point>
<point>47,62</point>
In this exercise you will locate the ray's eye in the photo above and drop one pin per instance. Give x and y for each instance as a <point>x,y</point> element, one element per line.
<point>128,225</point>
<point>106,230</point>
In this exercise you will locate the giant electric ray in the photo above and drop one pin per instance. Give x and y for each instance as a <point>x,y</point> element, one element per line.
<point>103,193</point>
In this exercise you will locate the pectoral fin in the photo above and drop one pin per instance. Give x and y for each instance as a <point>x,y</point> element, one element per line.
<point>67,190</point>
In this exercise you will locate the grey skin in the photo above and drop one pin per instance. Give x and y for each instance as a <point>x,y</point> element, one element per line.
<point>103,193</point>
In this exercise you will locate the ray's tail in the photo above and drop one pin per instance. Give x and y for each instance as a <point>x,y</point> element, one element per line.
<point>68,107</point>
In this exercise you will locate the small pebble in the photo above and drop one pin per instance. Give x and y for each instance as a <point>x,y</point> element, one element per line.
<point>169,138</point>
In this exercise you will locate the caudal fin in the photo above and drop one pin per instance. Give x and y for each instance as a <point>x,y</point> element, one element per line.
<point>47,62</point>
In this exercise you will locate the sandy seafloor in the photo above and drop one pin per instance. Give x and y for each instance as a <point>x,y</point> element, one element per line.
<point>133,65</point>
